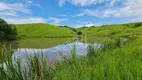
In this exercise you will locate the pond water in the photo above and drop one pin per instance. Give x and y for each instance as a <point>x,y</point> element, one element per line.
<point>54,53</point>
<point>52,49</point>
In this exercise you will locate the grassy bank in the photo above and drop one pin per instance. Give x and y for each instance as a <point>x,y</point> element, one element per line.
<point>114,61</point>
<point>126,30</point>
<point>43,31</point>
<point>38,43</point>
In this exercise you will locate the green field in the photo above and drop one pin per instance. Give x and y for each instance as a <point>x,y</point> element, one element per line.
<point>116,30</point>
<point>43,31</point>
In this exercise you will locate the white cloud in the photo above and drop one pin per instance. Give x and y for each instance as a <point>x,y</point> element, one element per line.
<point>108,13</point>
<point>82,24</point>
<point>79,15</point>
<point>86,2</point>
<point>99,13</point>
<point>16,7</point>
<point>30,2</point>
<point>131,8</point>
<point>26,20</point>
<point>10,13</point>
<point>128,9</point>
<point>91,13</point>
<point>7,13</point>
<point>81,2</point>
<point>39,6</point>
<point>113,2</point>
<point>91,24</point>
<point>57,21</point>
<point>61,2</point>
<point>86,24</point>
<point>87,12</point>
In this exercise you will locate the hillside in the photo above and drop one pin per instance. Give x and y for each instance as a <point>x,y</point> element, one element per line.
<point>43,30</point>
<point>131,29</point>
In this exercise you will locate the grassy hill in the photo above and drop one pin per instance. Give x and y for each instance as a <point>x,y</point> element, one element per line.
<point>50,31</point>
<point>131,29</point>
<point>43,30</point>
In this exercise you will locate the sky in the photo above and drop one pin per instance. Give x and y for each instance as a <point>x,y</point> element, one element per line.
<point>73,13</point>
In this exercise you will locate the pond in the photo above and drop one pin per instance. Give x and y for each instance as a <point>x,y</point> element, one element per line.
<point>54,53</point>
<point>52,48</point>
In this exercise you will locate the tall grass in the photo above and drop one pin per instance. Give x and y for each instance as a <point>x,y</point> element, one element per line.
<point>36,68</point>
<point>111,62</point>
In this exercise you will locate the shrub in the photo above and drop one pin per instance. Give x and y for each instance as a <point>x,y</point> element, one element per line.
<point>138,24</point>
<point>113,33</point>
<point>79,33</point>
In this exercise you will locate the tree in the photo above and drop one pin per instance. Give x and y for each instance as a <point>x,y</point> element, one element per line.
<point>79,33</point>
<point>7,32</point>
<point>138,24</point>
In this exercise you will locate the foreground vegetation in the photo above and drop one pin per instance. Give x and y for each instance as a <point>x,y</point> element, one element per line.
<point>41,30</point>
<point>117,60</point>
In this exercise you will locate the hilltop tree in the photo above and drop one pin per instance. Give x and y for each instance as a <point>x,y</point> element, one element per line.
<point>7,32</point>
<point>79,33</point>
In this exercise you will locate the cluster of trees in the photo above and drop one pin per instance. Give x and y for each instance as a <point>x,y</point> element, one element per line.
<point>7,32</point>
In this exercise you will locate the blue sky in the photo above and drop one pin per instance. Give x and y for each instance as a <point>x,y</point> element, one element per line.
<point>74,13</point>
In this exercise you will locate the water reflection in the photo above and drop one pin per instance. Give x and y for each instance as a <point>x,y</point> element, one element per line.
<point>54,53</point>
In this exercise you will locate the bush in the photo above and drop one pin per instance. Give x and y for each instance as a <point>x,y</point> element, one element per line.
<point>79,33</point>
<point>138,24</point>
<point>7,32</point>
<point>113,33</point>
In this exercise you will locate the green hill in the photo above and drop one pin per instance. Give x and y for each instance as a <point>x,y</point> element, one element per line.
<point>43,30</point>
<point>131,29</point>
<point>51,31</point>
